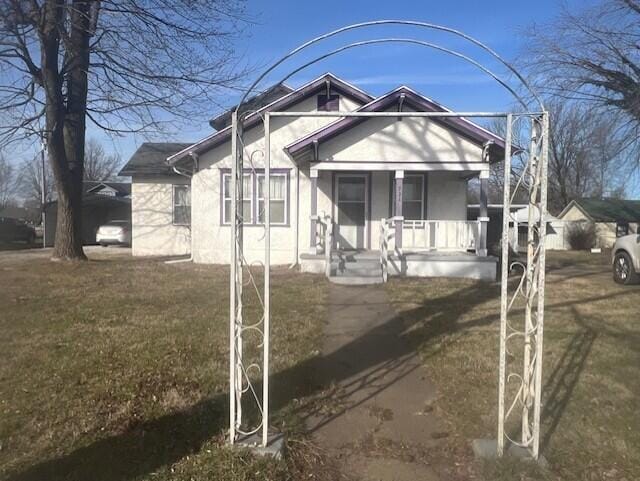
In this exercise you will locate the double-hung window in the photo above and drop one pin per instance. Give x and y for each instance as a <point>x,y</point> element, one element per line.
<point>247,199</point>
<point>253,204</point>
<point>413,197</point>
<point>182,205</point>
<point>278,199</point>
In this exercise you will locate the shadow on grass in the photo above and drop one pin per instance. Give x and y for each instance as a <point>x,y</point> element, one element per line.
<point>167,439</point>
<point>164,441</point>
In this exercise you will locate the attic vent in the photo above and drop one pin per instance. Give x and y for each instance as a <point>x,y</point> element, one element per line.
<point>328,103</point>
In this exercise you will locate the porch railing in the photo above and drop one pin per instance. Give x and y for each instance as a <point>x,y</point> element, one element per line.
<point>387,235</point>
<point>441,235</point>
<point>321,223</point>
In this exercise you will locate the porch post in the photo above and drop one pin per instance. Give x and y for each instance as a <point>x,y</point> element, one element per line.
<point>398,213</point>
<point>483,219</point>
<point>314,212</point>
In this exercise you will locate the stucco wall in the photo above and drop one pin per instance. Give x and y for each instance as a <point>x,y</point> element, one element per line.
<point>446,191</point>
<point>211,239</point>
<point>153,231</point>
<point>408,140</point>
<point>447,196</point>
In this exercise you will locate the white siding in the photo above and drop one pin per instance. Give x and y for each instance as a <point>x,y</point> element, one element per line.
<point>153,232</point>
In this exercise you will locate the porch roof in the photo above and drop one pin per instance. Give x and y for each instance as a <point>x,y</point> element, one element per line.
<point>403,96</point>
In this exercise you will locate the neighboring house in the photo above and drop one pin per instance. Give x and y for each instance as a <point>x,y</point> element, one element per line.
<point>556,235</point>
<point>24,214</point>
<point>161,205</point>
<point>101,202</point>
<point>612,218</point>
<point>350,173</point>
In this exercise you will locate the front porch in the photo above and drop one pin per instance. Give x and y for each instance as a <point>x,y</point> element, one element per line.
<point>350,245</point>
<point>367,267</point>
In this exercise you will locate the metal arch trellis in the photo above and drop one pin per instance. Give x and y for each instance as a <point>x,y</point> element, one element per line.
<point>520,354</point>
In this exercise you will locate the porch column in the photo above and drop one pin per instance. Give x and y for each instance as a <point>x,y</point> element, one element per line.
<point>314,212</point>
<point>398,211</point>
<point>483,219</point>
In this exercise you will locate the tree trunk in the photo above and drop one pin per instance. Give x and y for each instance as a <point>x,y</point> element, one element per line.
<point>68,242</point>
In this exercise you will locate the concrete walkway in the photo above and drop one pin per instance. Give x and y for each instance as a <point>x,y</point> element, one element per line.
<point>377,420</point>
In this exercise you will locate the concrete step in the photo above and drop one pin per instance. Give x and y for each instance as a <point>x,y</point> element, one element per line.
<point>359,270</point>
<point>356,280</point>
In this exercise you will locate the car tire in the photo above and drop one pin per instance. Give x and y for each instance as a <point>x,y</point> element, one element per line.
<point>103,245</point>
<point>623,270</point>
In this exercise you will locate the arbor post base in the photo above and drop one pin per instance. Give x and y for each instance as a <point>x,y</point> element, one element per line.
<point>488,449</point>
<point>273,449</point>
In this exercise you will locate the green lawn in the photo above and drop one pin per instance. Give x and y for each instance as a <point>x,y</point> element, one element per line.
<point>591,381</point>
<point>116,369</point>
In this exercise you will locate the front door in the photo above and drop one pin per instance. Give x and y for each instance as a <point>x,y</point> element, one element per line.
<point>351,207</point>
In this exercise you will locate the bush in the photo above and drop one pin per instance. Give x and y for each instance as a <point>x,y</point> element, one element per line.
<point>582,235</point>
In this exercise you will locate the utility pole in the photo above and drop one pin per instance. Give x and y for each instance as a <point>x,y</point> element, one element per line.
<point>43,193</point>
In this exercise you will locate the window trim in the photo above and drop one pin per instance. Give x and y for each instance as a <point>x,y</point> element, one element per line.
<point>173,205</point>
<point>253,173</point>
<point>285,175</point>
<point>223,219</point>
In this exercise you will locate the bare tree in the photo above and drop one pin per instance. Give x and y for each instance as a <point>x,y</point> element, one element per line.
<point>125,65</point>
<point>8,182</point>
<point>587,155</point>
<point>98,164</point>
<point>592,56</point>
<point>30,182</point>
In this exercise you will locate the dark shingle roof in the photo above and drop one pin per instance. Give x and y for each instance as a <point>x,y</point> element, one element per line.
<point>150,158</point>
<point>611,210</point>
<point>254,103</point>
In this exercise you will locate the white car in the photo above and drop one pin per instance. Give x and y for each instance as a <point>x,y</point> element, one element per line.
<point>626,259</point>
<point>115,232</point>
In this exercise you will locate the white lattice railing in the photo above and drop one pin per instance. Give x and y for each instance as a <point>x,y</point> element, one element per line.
<point>440,235</point>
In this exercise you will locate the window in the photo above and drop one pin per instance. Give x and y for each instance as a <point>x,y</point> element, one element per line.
<point>413,197</point>
<point>278,198</point>
<point>329,103</point>
<point>622,229</point>
<point>182,205</point>
<point>253,195</point>
<point>247,199</point>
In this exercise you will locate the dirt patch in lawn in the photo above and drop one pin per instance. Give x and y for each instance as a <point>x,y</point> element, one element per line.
<point>591,384</point>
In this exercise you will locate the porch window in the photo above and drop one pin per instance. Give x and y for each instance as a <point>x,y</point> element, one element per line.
<point>622,229</point>
<point>278,199</point>
<point>413,197</point>
<point>182,205</point>
<point>328,103</point>
<point>247,199</point>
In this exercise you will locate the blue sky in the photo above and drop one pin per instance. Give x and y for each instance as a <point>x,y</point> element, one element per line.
<point>282,25</point>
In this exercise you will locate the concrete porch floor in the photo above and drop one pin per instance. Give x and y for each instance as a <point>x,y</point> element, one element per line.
<point>412,263</point>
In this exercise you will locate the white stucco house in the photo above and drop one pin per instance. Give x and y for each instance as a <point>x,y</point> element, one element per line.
<point>344,176</point>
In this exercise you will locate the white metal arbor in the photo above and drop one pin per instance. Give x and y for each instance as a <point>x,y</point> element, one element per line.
<point>522,295</point>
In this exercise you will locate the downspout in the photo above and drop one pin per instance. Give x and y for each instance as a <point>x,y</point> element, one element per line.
<point>296,247</point>
<point>196,166</point>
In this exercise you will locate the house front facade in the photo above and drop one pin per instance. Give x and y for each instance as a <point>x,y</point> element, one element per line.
<point>342,190</point>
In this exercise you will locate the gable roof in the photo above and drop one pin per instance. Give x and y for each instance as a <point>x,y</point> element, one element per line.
<point>151,159</point>
<point>254,103</point>
<point>606,210</point>
<point>307,90</point>
<point>420,103</point>
<point>120,188</point>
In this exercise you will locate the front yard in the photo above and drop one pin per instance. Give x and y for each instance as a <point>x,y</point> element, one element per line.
<point>591,384</point>
<point>116,369</point>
